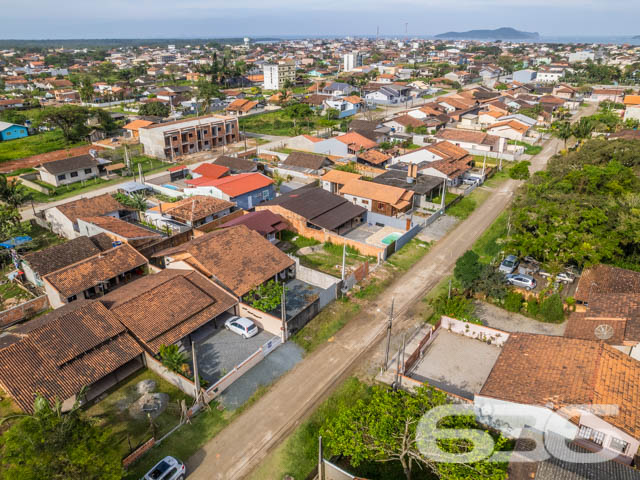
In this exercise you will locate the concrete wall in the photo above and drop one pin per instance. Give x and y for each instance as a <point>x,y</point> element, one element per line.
<point>471,330</point>
<point>26,180</point>
<point>299,225</point>
<point>329,284</point>
<point>60,224</point>
<point>264,320</point>
<point>183,383</point>
<point>23,311</point>
<point>55,299</point>
<point>68,179</point>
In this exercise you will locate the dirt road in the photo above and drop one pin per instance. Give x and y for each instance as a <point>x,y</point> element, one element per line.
<point>235,451</point>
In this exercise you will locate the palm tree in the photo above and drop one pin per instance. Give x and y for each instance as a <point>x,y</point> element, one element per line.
<point>138,202</point>
<point>563,132</point>
<point>12,193</point>
<point>583,129</point>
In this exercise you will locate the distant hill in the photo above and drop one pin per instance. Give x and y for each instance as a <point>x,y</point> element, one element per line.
<point>637,37</point>
<point>505,33</point>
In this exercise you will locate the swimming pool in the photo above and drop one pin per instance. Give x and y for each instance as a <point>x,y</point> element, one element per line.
<point>392,237</point>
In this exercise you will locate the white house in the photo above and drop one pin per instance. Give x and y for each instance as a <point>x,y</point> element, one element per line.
<point>588,384</point>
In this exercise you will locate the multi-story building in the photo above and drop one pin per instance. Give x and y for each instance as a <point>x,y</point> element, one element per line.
<point>276,75</point>
<point>191,135</point>
<point>352,61</point>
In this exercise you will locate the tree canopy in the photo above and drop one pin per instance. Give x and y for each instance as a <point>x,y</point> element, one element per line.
<point>382,428</point>
<point>57,446</point>
<point>584,209</point>
<point>156,109</point>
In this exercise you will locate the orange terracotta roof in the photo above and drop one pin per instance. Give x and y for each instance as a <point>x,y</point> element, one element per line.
<point>339,176</point>
<point>375,191</point>
<point>136,124</point>
<point>356,141</point>
<point>236,185</point>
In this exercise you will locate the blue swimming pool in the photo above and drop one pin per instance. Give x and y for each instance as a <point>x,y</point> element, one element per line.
<point>392,237</point>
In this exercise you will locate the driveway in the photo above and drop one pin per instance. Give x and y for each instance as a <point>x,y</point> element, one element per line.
<point>499,318</point>
<point>456,364</point>
<point>276,364</point>
<point>438,229</point>
<point>220,350</point>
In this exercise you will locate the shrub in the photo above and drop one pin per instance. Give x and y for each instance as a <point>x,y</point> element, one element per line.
<point>520,170</point>
<point>467,269</point>
<point>172,357</point>
<point>552,309</point>
<point>458,307</point>
<point>513,302</point>
<point>533,307</point>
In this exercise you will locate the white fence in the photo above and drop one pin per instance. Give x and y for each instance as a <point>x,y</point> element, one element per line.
<point>225,382</point>
<point>471,330</point>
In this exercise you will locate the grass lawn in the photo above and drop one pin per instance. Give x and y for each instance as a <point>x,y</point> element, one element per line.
<point>278,123</point>
<point>12,290</point>
<point>489,244</point>
<point>463,208</point>
<point>297,241</point>
<point>112,413</point>
<point>528,149</point>
<point>326,324</point>
<point>298,455</point>
<point>149,165</point>
<point>448,198</point>
<point>34,145</point>
<point>7,408</point>
<point>408,255</point>
<point>329,259</point>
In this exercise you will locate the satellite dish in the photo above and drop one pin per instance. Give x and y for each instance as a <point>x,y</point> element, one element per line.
<point>604,332</point>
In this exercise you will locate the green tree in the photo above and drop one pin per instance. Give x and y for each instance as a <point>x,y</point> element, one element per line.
<point>520,171</point>
<point>12,116</point>
<point>50,444</point>
<point>467,269</point>
<point>491,283</point>
<point>86,89</point>
<point>298,111</point>
<point>513,302</point>
<point>71,119</point>
<point>155,109</point>
<point>10,222</point>
<point>266,297</point>
<point>13,193</point>
<point>383,426</point>
<point>172,357</point>
<point>583,129</point>
<point>552,309</point>
<point>207,92</point>
<point>458,306</point>
<point>563,131</point>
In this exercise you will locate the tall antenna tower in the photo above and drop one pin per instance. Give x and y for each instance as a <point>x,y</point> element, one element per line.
<point>406,29</point>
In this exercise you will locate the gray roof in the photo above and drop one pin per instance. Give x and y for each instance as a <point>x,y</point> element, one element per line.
<point>5,125</point>
<point>398,178</point>
<point>131,187</point>
<point>306,160</point>
<point>567,468</point>
<point>236,165</point>
<point>70,164</point>
<point>318,206</point>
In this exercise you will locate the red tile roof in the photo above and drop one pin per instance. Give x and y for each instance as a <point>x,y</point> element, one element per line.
<point>237,185</point>
<point>211,170</point>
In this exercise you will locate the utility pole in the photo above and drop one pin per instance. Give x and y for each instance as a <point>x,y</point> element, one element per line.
<point>320,459</point>
<point>344,258</point>
<point>196,378</point>
<point>389,325</point>
<point>283,314</point>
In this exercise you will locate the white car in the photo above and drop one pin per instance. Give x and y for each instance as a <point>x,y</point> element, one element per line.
<point>564,277</point>
<point>242,326</point>
<point>168,468</point>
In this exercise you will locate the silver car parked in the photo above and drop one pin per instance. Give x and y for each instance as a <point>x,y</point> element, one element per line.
<point>168,468</point>
<point>509,264</point>
<point>520,280</point>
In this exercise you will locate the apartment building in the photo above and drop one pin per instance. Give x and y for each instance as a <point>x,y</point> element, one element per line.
<point>191,135</point>
<point>276,75</point>
<point>352,61</point>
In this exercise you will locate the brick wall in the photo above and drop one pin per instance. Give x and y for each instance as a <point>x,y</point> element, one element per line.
<point>23,311</point>
<point>138,452</point>
<point>299,225</point>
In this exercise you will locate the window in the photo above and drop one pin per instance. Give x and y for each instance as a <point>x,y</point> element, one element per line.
<point>380,205</point>
<point>74,174</point>
<point>72,298</point>
<point>205,131</point>
<point>591,434</point>
<point>87,171</point>
<point>265,194</point>
<point>62,176</point>
<point>618,445</point>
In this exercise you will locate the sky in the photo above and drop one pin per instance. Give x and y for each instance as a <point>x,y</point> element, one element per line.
<point>49,19</point>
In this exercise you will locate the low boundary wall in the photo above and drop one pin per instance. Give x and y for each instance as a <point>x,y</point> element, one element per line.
<point>264,320</point>
<point>183,383</point>
<point>486,334</point>
<point>23,311</point>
